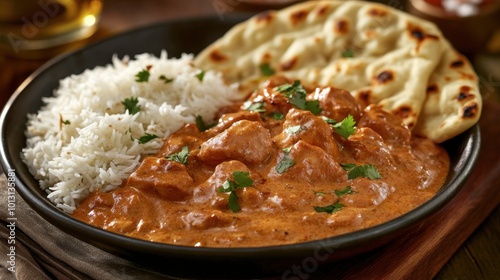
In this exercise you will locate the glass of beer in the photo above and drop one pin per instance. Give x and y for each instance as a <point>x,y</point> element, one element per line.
<point>31,28</point>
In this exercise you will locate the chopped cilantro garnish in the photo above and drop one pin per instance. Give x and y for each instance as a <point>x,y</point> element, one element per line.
<point>277,115</point>
<point>131,105</point>
<point>266,70</point>
<point>142,76</point>
<point>293,129</point>
<point>346,127</point>
<point>347,53</point>
<point>297,96</point>
<point>328,120</point>
<point>200,75</point>
<point>66,122</point>
<point>346,190</point>
<point>241,180</point>
<point>284,164</point>
<point>165,79</point>
<point>254,106</point>
<point>146,138</point>
<point>181,156</point>
<point>202,126</point>
<point>332,208</point>
<point>367,171</point>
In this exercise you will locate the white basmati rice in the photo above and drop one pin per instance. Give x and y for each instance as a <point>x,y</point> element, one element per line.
<point>82,139</point>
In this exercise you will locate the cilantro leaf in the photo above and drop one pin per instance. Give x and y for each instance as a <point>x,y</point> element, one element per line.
<point>142,76</point>
<point>332,208</point>
<point>66,122</point>
<point>254,106</point>
<point>241,178</point>
<point>131,105</point>
<point>284,164</point>
<point>232,202</point>
<point>165,79</point>
<point>366,171</point>
<point>328,120</point>
<point>297,95</point>
<point>200,75</point>
<point>266,70</point>
<point>313,106</point>
<point>348,53</point>
<point>346,190</point>
<point>202,126</point>
<point>346,127</point>
<point>277,115</point>
<point>181,156</point>
<point>146,138</point>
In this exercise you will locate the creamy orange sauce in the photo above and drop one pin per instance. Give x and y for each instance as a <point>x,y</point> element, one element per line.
<point>171,202</point>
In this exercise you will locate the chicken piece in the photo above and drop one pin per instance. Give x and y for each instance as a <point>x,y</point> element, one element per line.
<point>169,178</point>
<point>189,136</point>
<point>203,219</point>
<point>311,165</point>
<point>303,125</point>
<point>367,146</point>
<point>337,103</point>
<point>206,192</point>
<point>245,141</point>
<point>226,120</point>
<point>389,126</point>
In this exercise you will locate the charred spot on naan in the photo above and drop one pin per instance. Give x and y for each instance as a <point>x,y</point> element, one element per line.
<point>365,97</point>
<point>322,10</point>
<point>264,17</point>
<point>405,112</point>
<point>217,57</point>
<point>298,16</point>
<point>464,94</point>
<point>470,111</point>
<point>289,64</point>
<point>383,77</point>
<point>377,12</point>
<point>342,27</point>
<point>417,33</point>
<point>432,89</point>
<point>457,63</point>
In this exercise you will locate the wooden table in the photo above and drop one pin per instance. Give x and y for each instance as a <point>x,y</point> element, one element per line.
<point>460,242</point>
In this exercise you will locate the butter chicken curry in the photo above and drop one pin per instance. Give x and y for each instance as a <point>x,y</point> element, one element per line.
<point>288,165</point>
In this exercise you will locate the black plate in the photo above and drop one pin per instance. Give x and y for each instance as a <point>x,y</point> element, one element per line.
<point>191,36</point>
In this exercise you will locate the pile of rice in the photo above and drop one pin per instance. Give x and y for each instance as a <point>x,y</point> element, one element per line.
<point>83,139</point>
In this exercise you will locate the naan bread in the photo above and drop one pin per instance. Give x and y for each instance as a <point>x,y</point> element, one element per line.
<point>381,55</point>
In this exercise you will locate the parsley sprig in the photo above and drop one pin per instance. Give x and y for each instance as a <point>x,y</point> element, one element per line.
<point>297,95</point>
<point>241,180</point>
<point>181,156</point>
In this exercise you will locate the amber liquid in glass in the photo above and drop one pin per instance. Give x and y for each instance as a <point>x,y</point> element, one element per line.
<point>28,27</point>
